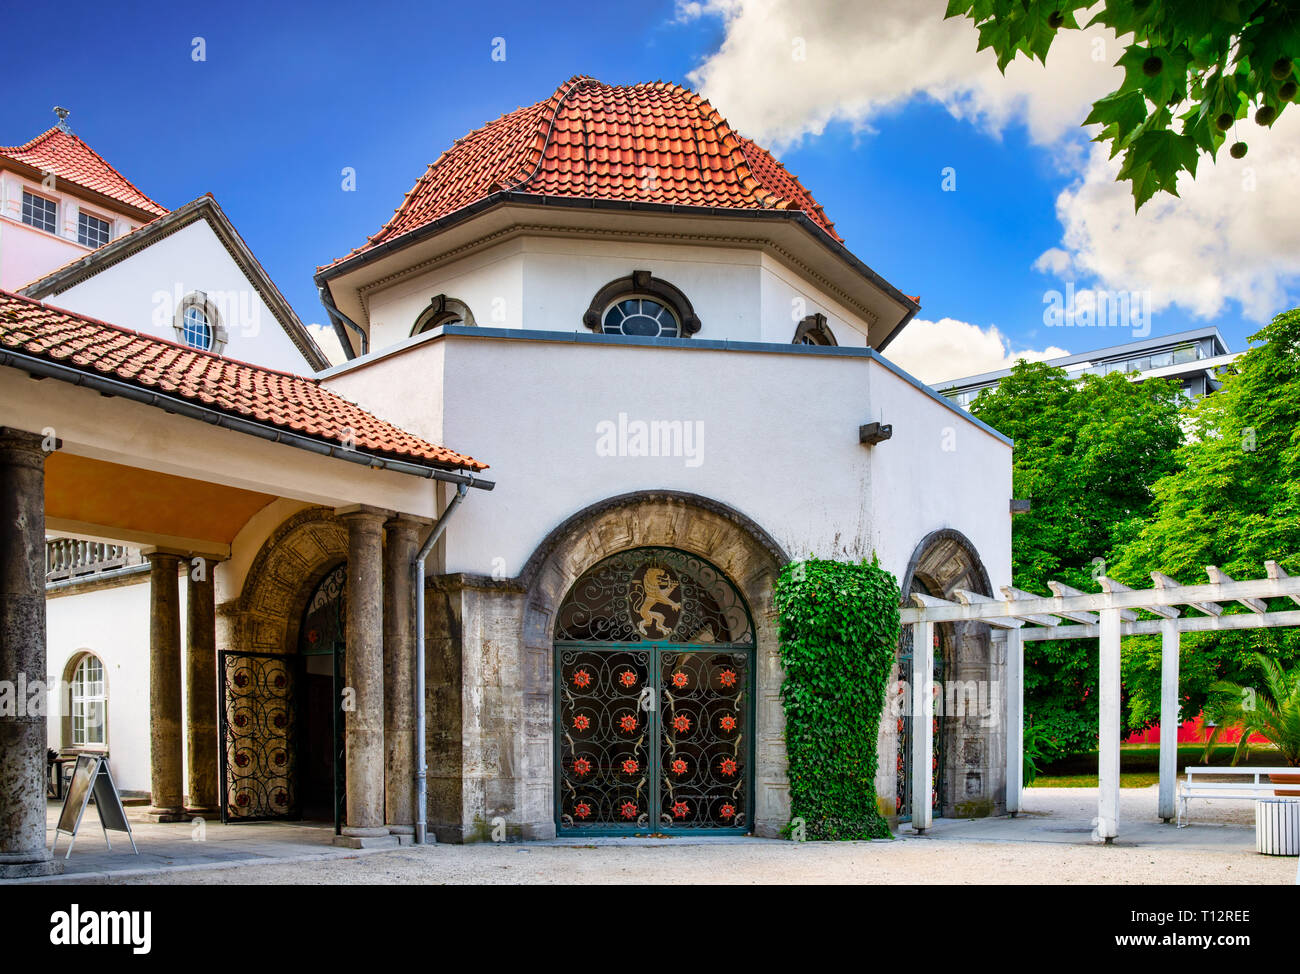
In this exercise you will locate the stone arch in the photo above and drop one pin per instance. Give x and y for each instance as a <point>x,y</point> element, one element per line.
<point>287,569</point>
<point>943,562</point>
<point>734,543</point>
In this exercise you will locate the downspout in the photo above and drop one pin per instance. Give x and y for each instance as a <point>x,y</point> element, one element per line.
<point>417,589</point>
<point>338,318</point>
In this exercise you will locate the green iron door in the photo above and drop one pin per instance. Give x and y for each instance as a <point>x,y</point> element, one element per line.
<point>654,734</point>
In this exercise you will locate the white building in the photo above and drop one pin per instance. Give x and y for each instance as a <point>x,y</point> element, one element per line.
<point>653,334</point>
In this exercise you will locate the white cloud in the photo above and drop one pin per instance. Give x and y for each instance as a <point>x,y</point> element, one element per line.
<point>787,68</point>
<point>327,340</point>
<point>1222,241</point>
<point>937,351</point>
<point>1233,235</point>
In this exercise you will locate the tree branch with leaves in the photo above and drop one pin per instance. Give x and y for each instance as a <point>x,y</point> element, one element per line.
<point>1192,70</point>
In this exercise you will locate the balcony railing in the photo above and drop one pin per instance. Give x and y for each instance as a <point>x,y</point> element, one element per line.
<point>67,558</point>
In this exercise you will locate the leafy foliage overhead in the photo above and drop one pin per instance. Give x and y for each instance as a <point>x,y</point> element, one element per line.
<point>1192,69</point>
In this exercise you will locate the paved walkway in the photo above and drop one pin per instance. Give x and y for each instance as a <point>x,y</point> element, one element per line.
<point>1050,843</point>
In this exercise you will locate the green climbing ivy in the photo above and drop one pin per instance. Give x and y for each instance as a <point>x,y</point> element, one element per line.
<point>838,628</point>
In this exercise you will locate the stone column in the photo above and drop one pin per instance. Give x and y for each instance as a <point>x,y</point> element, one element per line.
<point>202,744</point>
<point>165,730</point>
<point>399,677</point>
<point>22,656</point>
<point>364,723</point>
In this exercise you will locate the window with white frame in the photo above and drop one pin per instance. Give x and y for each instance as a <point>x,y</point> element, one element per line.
<point>91,230</point>
<point>198,323</point>
<point>89,703</point>
<point>197,330</point>
<point>39,212</point>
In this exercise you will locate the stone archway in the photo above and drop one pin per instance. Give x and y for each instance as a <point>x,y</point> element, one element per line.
<point>973,736</point>
<point>262,678</point>
<point>291,562</point>
<point>491,645</point>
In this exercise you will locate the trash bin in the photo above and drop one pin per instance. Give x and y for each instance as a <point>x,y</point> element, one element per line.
<point>1277,826</point>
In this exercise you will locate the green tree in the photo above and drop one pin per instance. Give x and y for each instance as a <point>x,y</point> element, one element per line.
<point>1233,501</point>
<point>1087,454</point>
<point>1192,68</point>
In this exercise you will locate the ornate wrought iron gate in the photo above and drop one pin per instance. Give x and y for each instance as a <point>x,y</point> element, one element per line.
<point>259,725</point>
<point>653,689</point>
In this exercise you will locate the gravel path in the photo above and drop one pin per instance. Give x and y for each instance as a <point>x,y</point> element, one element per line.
<point>1056,853</point>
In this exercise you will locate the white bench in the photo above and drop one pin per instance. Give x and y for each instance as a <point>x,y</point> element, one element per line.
<point>1247,784</point>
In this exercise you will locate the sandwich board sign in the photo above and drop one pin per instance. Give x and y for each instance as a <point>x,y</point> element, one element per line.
<point>92,777</point>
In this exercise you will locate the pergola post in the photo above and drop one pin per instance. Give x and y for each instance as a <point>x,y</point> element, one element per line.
<point>1169,646</point>
<point>1108,687</point>
<point>922,755</point>
<point>1015,730</point>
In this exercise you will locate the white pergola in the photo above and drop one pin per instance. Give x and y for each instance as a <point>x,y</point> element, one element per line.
<point>1107,616</point>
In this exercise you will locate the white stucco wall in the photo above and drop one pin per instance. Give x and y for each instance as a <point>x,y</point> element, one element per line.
<point>547,284</point>
<point>779,443</point>
<point>144,291</point>
<point>112,623</point>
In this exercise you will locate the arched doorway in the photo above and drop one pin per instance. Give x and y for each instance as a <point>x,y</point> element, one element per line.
<point>322,647</point>
<point>654,702</point>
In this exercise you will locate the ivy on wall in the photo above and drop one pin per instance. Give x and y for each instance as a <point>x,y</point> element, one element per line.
<point>838,629</point>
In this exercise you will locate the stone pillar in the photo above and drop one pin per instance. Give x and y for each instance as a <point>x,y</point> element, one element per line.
<point>22,656</point>
<point>202,744</point>
<point>165,730</point>
<point>922,756</point>
<point>364,723</point>
<point>399,677</point>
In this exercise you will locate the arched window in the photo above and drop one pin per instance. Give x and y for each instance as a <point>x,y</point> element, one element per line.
<point>813,330</point>
<point>442,310</point>
<point>89,710</point>
<point>642,306</point>
<point>198,323</point>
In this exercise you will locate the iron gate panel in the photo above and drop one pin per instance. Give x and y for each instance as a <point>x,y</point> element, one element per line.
<point>259,724</point>
<point>703,742</point>
<point>653,737</point>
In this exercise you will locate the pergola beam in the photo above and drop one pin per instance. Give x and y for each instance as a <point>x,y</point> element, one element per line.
<point>1276,571</point>
<point>1219,577</point>
<point>1149,627</point>
<point>1258,588</point>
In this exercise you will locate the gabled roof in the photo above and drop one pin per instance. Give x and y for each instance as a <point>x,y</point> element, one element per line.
<point>646,143</point>
<point>31,331</point>
<point>65,155</point>
<point>203,208</point>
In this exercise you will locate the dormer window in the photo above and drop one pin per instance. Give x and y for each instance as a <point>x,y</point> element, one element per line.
<point>641,306</point>
<point>39,212</point>
<point>91,230</point>
<point>642,317</point>
<point>813,330</point>
<point>443,310</point>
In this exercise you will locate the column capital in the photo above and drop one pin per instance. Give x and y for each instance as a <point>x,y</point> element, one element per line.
<point>23,447</point>
<point>407,522</point>
<point>363,512</point>
<point>160,555</point>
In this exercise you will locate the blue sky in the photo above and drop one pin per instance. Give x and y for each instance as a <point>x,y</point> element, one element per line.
<point>286,99</point>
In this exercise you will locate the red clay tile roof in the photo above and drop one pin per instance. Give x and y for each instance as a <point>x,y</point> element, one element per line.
<point>650,143</point>
<point>65,155</point>
<point>266,396</point>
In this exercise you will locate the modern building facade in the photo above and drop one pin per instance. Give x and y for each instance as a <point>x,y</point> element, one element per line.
<point>654,335</point>
<point>1191,358</point>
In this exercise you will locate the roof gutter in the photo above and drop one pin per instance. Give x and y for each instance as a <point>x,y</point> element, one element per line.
<point>338,319</point>
<point>113,387</point>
